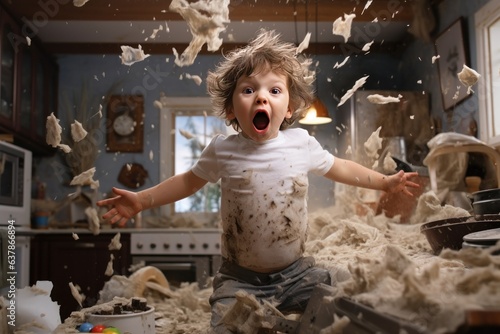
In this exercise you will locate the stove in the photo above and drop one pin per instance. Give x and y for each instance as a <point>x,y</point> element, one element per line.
<point>183,255</point>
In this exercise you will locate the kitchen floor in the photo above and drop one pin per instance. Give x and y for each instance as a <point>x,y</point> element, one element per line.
<point>378,262</point>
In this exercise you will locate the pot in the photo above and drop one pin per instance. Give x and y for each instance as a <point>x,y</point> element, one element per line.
<point>485,195</point>
<point>486,207</point>
<point>449,233</point>
<point>486,202</point>
<point>483,239</point>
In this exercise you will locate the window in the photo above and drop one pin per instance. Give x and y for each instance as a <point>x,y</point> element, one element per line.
<point>488,53</point>
<point>187,125</point>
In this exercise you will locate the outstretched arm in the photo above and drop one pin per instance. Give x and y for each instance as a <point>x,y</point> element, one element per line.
<point>354,174</point>
<point>127,204</point>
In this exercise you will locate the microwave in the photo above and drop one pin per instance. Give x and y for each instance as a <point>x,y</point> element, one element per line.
<point>15,184</point>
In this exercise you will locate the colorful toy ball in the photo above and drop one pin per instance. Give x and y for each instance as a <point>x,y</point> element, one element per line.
<point>86,327</point>
<point>98,329</point>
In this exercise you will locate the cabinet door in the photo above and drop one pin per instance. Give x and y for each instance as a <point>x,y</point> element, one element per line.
<point>41,98</point>
<point>7,69</point>
<point>83,262</point>
<point>25,91</point>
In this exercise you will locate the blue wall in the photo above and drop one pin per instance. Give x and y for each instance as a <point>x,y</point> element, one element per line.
<point>418,65</point>
<point>104,74</point>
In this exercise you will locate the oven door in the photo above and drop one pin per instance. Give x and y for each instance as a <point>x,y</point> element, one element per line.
<point>180,269</point>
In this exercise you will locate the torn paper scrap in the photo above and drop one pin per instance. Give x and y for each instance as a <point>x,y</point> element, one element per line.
<point>304,44</point>
<point>65,148</point>
<point>468,77</point>
<point>115,243</point>
<point>368,3</point>
<point>77,131</point>
<point>75,292</point>
<point>343,27</point>
<point>93,219</point>
<point>206,20</point>
<point>380,99</point>
<point>195,78</point>
<point>359,83</point>
<point>79,3</point>
<point>337,65</point>
<point>367,46</point>
<point>85,178</point>
<point>54,131</point>
<point>373,144</point>
<point>109,268</point>
<point>130,55</point>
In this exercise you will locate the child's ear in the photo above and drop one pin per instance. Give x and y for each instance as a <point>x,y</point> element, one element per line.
<point>289,112</point>
<point>230,114</point>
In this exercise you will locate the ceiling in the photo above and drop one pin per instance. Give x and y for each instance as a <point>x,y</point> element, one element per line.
<point>102,26</point>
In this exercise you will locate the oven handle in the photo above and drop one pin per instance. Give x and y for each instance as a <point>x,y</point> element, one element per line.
<point>173,266</point>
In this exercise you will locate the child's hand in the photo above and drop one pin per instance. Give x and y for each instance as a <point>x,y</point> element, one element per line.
<point>399,182</point>
<point>125,205</point>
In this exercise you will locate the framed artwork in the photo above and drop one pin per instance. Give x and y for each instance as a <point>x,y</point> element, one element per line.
<point>450,46</point>
<point>125,126</point>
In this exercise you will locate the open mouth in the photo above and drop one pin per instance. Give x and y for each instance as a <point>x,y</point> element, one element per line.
<point>261,120</point>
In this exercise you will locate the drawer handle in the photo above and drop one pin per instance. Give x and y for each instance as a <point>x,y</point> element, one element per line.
<point>85,245</point>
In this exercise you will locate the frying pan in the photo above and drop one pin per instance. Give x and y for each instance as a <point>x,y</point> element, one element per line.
<point>449,233</point>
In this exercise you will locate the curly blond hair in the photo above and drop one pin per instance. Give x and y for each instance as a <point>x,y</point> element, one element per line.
<point>266,52</point>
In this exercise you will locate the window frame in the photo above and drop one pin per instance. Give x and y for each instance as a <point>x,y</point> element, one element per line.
<point>170,108</point>
<point>484,19</point>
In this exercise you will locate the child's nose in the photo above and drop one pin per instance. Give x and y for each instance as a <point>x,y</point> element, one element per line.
<point>261,99</point>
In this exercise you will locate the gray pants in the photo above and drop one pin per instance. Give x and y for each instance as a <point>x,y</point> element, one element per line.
<point>290,288</point>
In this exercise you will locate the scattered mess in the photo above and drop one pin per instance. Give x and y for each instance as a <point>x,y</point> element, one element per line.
<point>130,55</point>
<point>359,83</point>
<point>77,131</point>
<point>304,44</point>
<point>342,27</point>
<point>54,130</point>
<point>380,99</point>
<point>373,144</point>
<point>76,293</point>
<point>206,20</point>
<point>196,78</point>
<point>468,77</point>
<point>85,178</point>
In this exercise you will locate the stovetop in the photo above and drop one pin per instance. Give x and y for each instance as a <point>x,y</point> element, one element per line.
<point>176,242</point>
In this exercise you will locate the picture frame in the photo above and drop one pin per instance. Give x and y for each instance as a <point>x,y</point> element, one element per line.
<point>125,124</point>
<point>450,45</point>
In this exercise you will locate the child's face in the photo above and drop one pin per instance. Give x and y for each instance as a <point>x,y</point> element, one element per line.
<point>260,104</point>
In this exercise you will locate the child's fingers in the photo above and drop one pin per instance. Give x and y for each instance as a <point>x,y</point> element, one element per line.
<point>412,184</point>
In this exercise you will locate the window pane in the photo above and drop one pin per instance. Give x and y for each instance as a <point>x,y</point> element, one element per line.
<point>193,133</point>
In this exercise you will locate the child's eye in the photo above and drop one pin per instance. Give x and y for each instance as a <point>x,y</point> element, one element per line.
<point>248,90</point>
<point>275,91</point>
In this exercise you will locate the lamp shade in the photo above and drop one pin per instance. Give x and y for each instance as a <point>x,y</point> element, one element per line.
<point>316,114</point>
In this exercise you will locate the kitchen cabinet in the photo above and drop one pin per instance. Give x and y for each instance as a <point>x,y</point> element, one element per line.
<point>28,78</point>
<point>61,259</point>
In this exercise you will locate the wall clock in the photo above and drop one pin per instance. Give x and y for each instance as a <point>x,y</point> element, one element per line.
<point>125,126</point>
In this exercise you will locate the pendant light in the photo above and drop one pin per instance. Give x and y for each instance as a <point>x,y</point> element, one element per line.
<point>317,112</point>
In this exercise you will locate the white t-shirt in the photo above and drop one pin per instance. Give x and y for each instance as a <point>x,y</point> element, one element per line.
<point>264,194</point>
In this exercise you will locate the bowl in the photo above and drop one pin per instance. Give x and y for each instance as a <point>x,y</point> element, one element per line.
<point>487,207</point>
<point>136,322</point>
<point>449,233</point>
<point>486,194</point>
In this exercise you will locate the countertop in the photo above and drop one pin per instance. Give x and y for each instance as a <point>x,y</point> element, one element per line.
<point>21,230</point>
